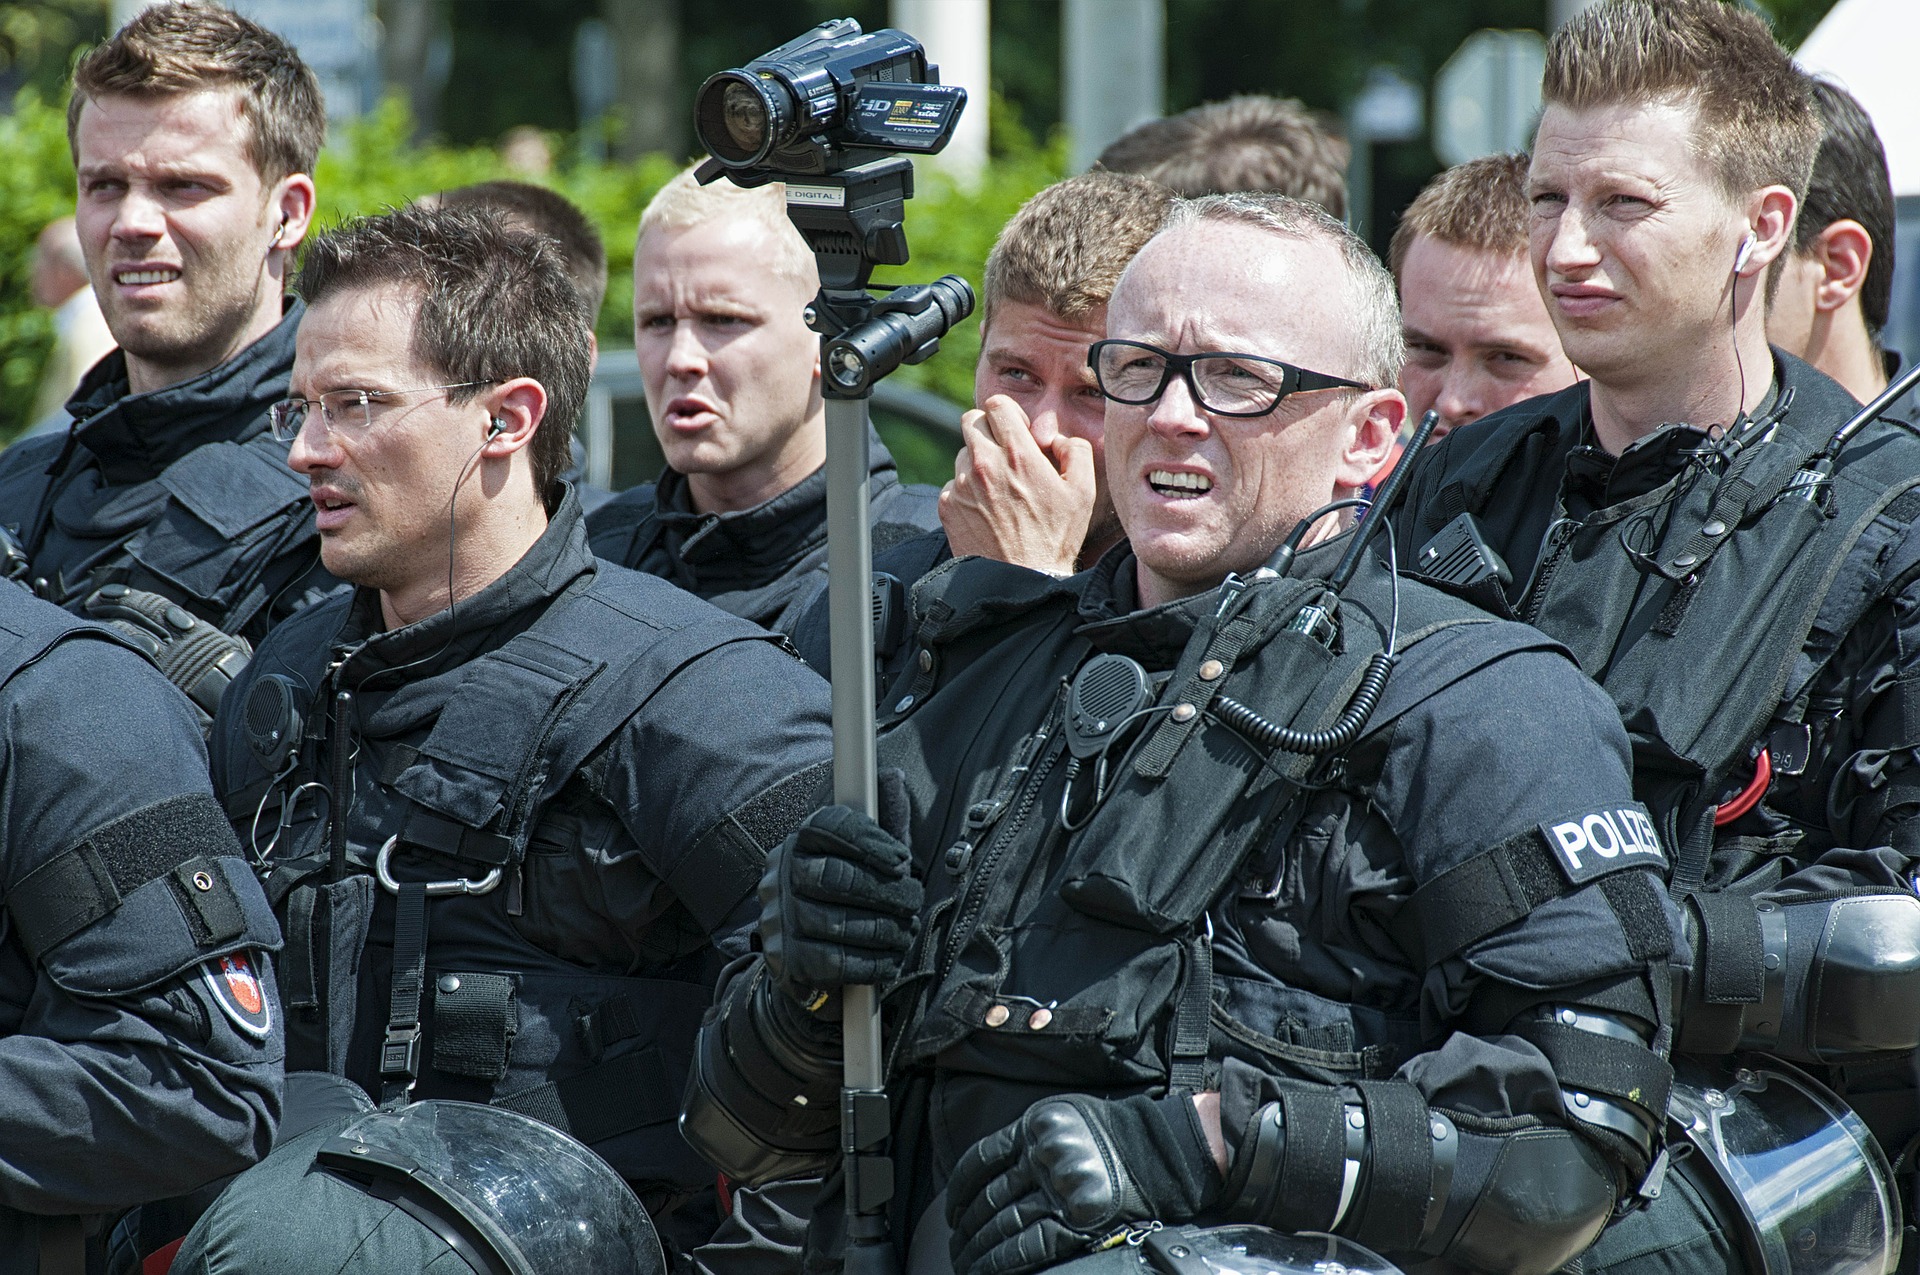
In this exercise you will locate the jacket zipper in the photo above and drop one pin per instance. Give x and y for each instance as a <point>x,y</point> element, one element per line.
<point>338,797</point>
<point>1559,537</point>
<point>974,897</point>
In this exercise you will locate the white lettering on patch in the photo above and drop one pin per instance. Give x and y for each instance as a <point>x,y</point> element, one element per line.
<point>1593,844</point>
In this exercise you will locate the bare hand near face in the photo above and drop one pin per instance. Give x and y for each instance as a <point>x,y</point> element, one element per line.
<point>1015,497</point>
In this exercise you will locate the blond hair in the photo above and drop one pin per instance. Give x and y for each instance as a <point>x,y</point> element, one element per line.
<point>684,203</point>
<point>1481,204</point>
<point>1756,124</point>
<point>1067,246</point>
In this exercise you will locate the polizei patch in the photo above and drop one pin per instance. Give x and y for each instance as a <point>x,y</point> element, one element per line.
<point>235,983</point>
<point>1594,844</point>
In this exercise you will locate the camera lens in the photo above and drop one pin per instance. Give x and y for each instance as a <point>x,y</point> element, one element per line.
<point>745,115</point>
<point>739,117</point>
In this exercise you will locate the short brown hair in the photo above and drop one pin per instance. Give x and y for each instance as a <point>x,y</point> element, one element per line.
<point>525,206</point>
<point>1067,246</point>
<point>1850,182</point>
<point>495,303</point>
<point>1755,120</point>
<point>189,47</point>
<point>1244,143</point>
<point>1481,204</point>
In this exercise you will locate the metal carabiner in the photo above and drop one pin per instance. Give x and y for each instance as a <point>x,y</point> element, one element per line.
<point>435,889</point>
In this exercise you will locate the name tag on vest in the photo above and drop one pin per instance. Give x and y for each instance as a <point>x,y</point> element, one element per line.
<point>1593,844</point>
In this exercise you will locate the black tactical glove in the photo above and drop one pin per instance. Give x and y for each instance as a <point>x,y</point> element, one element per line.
<point>839,905</point>
<point>1072,1172</point>
<point>194,656</point>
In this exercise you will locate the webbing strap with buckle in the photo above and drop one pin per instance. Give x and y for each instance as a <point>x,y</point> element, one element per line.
<point>400,1052</point>
<point>1192,1019</point>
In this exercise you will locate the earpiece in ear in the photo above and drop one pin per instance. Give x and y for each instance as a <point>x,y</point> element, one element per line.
<point>1746,250</point>
<point>279,230</point>
<point>498,426</point>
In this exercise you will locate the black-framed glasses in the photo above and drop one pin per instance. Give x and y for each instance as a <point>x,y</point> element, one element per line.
<point>1136,373</point>
<point>344,411</point>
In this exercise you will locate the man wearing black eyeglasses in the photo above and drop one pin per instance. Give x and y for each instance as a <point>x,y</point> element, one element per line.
<point>1190,926</point>
<point>513,799</point>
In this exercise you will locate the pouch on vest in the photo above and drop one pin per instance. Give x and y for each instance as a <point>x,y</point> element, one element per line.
<point>327,926</point>
<point>235,507</point>
<point>1151,873</point>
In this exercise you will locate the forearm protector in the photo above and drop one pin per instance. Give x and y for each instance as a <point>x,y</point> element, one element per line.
<point>762,1096</point>
<point>1817,981</point>
<point>1373,1162</point>
<point>1398,1177</point>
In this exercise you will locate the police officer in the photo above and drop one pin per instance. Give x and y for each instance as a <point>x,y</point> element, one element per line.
<point>513,801</point>
<point>1029,484</point>
<point>1738,579</point>
<point>721,285</point>
<point>167,509</point>
<point>140,1043</point>
<point>1184,926</point>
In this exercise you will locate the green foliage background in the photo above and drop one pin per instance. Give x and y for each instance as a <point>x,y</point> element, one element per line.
<point>373,164</point>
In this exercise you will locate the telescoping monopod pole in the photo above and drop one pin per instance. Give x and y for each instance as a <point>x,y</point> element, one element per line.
<point>904,326</point>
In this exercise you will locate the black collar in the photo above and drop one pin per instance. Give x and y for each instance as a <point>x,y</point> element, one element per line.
<point>477,624</point>
<point>135,436</point>
<point>748,547</point>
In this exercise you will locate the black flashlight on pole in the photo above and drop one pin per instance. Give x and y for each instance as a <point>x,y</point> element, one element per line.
<point>833,114</point>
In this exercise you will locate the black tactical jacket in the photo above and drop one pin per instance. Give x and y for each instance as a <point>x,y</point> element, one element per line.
<point>763,564</point>
<point>180,491</point>
<point>1798,627</point>
<point>572,990</point>
<point>140,1045</point>
<point>1052,961</point>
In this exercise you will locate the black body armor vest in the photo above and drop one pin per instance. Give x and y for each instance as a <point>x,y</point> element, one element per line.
<point>504,1005</point>
<point>1707,606</point>
<point>1085,959</point>
<point>223,528</point>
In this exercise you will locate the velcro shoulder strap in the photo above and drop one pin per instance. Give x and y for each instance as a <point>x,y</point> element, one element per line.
<point>77,887</point>
<point>1883,560</point>
<point>1510,879</point>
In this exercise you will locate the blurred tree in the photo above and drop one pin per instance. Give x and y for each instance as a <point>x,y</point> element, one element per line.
<point>1794,20</point>
<point>39,38</point>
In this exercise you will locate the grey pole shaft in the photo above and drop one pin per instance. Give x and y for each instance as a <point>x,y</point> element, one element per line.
<point>850,612</point>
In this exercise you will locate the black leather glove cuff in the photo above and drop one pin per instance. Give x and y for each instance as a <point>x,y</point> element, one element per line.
<point>1073,1171</point>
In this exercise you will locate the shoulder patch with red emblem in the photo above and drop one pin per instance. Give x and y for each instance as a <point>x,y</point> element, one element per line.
<point>235,983</point>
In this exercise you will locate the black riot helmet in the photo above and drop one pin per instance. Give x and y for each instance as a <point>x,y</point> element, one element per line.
<point>1229,1250</point>
<point>445,1187</point>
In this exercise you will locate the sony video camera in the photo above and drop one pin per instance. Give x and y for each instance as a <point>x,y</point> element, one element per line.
<point>835,114</point>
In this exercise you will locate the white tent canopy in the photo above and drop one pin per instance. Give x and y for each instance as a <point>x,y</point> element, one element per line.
<point>1867,47</point>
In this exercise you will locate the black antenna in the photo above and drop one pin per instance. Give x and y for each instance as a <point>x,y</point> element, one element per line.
<point>1382,502</point>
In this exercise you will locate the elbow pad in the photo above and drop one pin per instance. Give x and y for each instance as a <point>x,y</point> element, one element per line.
<point>762,1094</point>
<point>1817,981</point>
<point>1373,1163</point>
